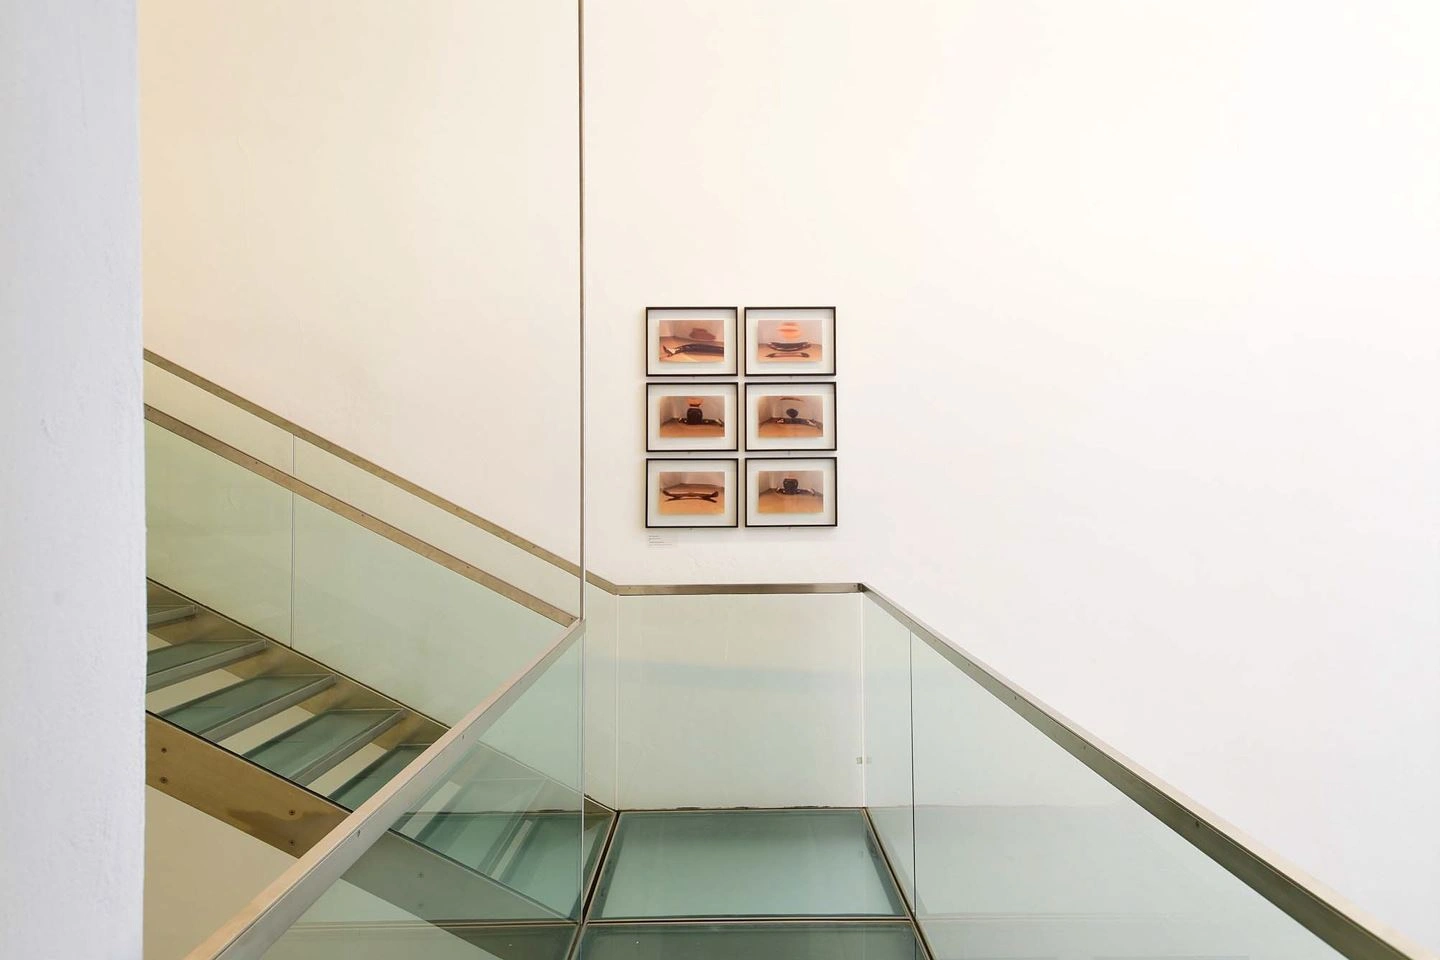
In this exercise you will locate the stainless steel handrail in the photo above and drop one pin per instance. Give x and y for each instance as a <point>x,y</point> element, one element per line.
<point>1320,910</point>
<point>720,589</point>
<point>355,460</point>
<point>265,919</point>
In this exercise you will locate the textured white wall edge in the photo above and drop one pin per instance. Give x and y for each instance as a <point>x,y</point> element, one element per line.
<point>72,536</point>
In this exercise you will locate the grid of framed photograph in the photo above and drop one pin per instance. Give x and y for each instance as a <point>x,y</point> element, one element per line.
<point>782,411</point>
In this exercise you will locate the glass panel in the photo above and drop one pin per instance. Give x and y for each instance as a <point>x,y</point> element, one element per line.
<point>439,527</point>
<point>737,701</point>
<point>888,787</point>
<point>744,863</point>
<point>489,862</point>
<point>217,532</point>
<point>404,624</point>
<point>1022,851</point>
<point>752,941</point>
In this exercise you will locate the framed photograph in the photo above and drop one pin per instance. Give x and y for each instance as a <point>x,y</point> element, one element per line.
<point>790,493</point>
<point>691,341</point>
<point>691,416</point>
<point>692,493</point>
<point>790,416</point>
<point>786,341</point>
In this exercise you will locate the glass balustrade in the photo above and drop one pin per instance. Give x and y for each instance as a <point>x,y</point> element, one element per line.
<point>990,830</point>
<point>491,859</point>
<point>342,592</point>
<point>1009,846</point>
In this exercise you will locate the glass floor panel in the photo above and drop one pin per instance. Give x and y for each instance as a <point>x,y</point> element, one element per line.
<point>750,941</point>
<point>744,863</point>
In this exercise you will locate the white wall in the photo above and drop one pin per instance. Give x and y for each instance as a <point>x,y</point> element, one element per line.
<point>363,216</point>
<point>72,541</point>
<point>199,872</point>
<point>1137,360</point>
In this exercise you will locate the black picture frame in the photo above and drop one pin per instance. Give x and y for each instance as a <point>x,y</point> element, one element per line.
<point>731,363</point>
<point>700,387</point>
<point>833,511</point>
<point>751,365</point>
<point>785,386</point>
<point>697,464</point>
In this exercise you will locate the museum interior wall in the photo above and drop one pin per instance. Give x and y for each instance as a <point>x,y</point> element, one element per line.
<point>1135,330</point>
<point>364,217</point>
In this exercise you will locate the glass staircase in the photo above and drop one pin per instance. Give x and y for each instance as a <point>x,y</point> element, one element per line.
<point>446,818</point>
<point>316,729</point>
<point>278,708</point>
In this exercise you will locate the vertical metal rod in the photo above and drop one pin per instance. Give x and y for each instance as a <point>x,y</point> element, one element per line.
<point>581,898</point>
<point>294,518</point>
<point>580,156</point>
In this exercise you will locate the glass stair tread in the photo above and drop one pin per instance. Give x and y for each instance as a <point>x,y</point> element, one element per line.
<point>474,826</point>
<point>361,787</point>
<point>159,614</point>
<point>545,854</point>
<point>744,864</point>
<point>225,712</point>
<point>167,665</point>
<point>304,752</point>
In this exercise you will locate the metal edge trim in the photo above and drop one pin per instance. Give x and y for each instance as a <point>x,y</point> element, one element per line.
<point>592,889</point>
<point>760,920</point>
<point>890,871</point>
<point>265,919</point>
<point>355,460</point>
<point>719,589</point>
<point>1310,903</point>
<point>356,515</point>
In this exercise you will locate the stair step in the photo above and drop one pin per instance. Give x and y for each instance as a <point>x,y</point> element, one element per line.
<point>476,825</point>
<point>162,613</point>
<point>167,665</point>
<point>364,784</point>
<point>305,752</point>
<point>541,859</point>
<point>218,715</point>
